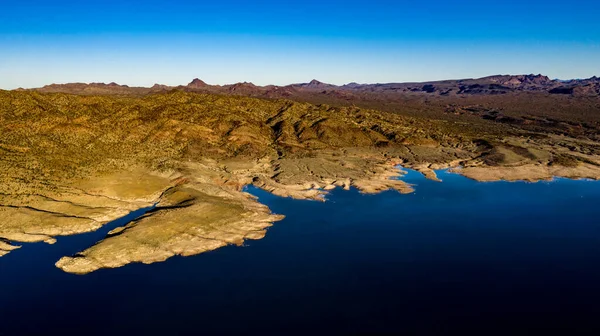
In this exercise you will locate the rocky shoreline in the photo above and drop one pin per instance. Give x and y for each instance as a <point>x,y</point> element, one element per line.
<point>192,216</point>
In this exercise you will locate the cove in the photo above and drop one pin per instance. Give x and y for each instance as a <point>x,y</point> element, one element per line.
<point>454,256</point>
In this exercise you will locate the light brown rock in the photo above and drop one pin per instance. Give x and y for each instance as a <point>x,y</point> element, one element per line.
<point>187,221</point>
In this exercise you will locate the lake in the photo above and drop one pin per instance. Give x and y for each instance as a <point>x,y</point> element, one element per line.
<point>454,256</point>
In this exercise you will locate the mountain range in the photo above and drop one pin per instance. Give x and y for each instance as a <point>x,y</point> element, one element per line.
<point>491,85</point>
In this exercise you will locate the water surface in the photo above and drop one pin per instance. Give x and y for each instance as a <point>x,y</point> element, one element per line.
<point>453,256</point>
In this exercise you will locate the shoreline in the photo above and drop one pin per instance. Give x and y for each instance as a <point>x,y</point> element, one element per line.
<point>175,204</point>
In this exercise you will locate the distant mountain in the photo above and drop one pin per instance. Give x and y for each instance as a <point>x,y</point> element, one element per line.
<point>197,83</point>
<point>314,84</point>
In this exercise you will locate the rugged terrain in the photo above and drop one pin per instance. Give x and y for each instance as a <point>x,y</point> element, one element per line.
<point>76,156</point>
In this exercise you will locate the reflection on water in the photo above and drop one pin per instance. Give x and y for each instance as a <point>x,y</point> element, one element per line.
<point>456,255</point>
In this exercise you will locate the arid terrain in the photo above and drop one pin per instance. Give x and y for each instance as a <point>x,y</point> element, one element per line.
<point>77,156</point>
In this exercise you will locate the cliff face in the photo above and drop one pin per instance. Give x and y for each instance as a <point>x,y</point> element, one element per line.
<point>71,163</point>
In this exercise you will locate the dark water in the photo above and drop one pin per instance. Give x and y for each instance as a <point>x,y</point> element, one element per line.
<point>457,256</point>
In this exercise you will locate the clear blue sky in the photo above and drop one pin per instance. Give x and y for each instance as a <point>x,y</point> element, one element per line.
<point>282,42</point>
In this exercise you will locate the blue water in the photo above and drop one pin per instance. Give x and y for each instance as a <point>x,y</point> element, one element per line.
<point>457,256</point>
